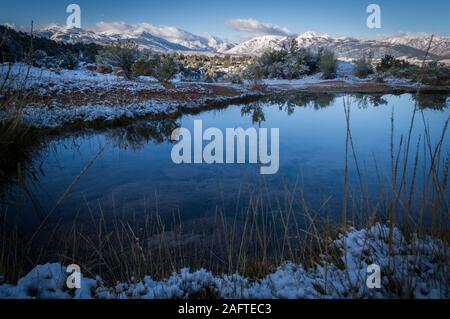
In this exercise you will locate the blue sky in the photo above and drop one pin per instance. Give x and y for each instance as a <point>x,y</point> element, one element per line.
<point>200,16</point>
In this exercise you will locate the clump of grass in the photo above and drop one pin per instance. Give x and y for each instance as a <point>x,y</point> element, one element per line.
<point>16,140</point>
<point>16,143</point>
<point>328,64</point>
<point>363,67</point>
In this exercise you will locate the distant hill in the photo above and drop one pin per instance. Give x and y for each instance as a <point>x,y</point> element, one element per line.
<point>351,48</point>
<point>16,45</point>
<point>147,37</point>
<point>171,39</point>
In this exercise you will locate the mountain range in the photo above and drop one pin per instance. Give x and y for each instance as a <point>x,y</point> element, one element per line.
<point>167,39</point>
<point>147,37</point>
<point>407,46</point>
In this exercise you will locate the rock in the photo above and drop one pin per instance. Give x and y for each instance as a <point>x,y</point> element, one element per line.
<point>104,69</point>
<point>91,67</point>
<point>120,73</point>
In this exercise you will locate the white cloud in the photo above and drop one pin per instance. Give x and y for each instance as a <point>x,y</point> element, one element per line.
<point>113,27</point>
<point>252,26</point>
<point>167,32</point>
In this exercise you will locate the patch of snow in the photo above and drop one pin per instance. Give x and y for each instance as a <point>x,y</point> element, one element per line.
<point>344,72</point>
<point>22,76</point>
<point>54,83</point>
<point>40,116</point>
<point>416,268</point>
<point>307,80</point>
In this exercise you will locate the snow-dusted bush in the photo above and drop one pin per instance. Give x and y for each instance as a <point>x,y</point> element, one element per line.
<point>363,67</point>
<point>69,61</point>
<point>121,54</point>
<point>388,63</point>
<point>232,78</point>
<point>328,63</point>
<point>254,73</point>
<point>191,74</point>
<point>165,69</point>
<point>143,68</point>
<point>288,63</point>
<point>433,73</point>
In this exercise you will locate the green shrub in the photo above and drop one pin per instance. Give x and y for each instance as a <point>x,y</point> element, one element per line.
<point>433,73</point>
<point>232,78</point>
<point>390,64</point>
<point>143,68</point>
<point>288,63</point>
<point>328,63</point>
<point>69,61</point>
<point>121,54</point>
<point>363,67</point>
<point>165,69</point>
<point>386,63</point>
<point>254,73</point>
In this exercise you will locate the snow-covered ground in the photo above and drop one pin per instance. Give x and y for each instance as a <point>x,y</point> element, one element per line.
<point>58,84</point>
<point>55,116</point>
<point>100,104</point>
<point>344,73</point>
<point>416,269</point>
<point>21,75</point>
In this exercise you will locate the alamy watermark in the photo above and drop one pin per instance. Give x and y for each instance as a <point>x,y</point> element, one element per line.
<point>189,148</point>
<point>374,19</point>
<point>74,19</point>
<point>373,277</point>
<point>74,278</point>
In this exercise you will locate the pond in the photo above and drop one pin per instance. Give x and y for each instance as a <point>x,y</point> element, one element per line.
<point>134,172</point>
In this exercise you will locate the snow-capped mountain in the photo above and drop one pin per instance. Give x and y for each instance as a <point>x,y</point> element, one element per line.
<point>61,33</point>
<point>165,38</point>
<point>440,45</point>
<point>259,45</point>
<point>146,36</point>
<point>350,48</point>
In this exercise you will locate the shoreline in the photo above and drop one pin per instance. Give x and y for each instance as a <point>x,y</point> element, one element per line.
<point>56,116</point>
<point>50,100</point>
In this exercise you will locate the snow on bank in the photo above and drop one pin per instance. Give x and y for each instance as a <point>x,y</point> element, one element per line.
<point>44,81</point>
<point>57,84</point>
<point>39,116</point>
<point>417,269</point>
<point>344,73</point>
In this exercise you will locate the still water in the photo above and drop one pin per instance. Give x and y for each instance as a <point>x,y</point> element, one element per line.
<point>135,174</point>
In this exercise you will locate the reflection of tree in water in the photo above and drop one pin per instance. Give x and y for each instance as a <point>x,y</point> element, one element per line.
<point>364,101</point>
<point>424,101</point>
<point>289,102</point>
<point>431,101</point>
<point>255,110</point>
<point>137,135</point>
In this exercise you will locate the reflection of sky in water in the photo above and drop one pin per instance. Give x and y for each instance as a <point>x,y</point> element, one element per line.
<point>312,146</point>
